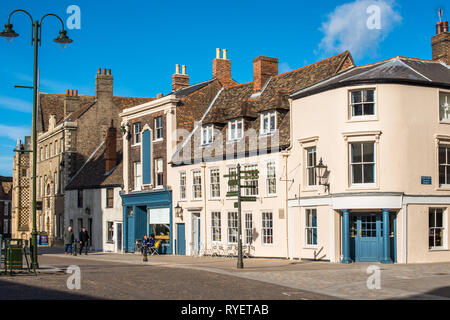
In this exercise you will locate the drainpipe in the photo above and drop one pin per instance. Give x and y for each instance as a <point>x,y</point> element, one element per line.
<point>204,203</point>
<point>286,155</point>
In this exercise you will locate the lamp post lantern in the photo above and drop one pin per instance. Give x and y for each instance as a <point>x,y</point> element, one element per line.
<point>9,34</point>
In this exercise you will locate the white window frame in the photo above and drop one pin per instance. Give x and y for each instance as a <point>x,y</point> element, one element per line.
<point>211,184</point>
<point>231,169</point>
<point>362,184</point>
<point>137,175</point>
<point>246,182</point>
<point>159,134</point>
<point>159,172</point>
<point>441,104</point>
<point>264,227</point>
<point>234,220</point>
<point>446,165</point>
<point>208,133</point>
<point>183,189</point>
<point>233,133</point>
<point>194,173</point>
<point>268,178</point>
<point>271,117</point>
<point>248,228</point>
<point>137,135</point>
<point>309,227</point>
<point>310,168</point>
<point>216,226</point>
<point>351,105</point>
<point>443,228</point>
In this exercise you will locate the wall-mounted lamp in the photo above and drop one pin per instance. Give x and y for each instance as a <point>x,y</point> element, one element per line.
<point>320,170</point>
<point>178,211</point>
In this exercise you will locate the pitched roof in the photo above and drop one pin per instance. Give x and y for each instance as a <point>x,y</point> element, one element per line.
<point>239,101</point>
<point>93,173</point>
<point>53,104</point>
<point>396,70</point>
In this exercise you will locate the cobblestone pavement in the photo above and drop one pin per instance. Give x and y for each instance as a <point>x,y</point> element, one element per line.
<point>102,279</point>
<point>398,281</point>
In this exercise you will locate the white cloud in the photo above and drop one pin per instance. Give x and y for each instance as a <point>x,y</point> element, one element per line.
<point>14,132</point>
<point>351,27</point>
<point>6,164</point>
<point>16,104</point>
<point>284,67</point>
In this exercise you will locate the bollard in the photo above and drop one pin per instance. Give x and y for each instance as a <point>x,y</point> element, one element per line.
<point>144,247</point>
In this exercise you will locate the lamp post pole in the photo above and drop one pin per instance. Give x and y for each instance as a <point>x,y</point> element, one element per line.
<point>35,40</point>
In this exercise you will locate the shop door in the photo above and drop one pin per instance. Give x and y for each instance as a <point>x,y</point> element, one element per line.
<point>368,237</point>
<point>181,241</point>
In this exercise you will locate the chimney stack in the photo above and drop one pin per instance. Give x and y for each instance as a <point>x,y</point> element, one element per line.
<point>104,84</point>
<point>71,102</point>
<point>440,43</point>
<point>222,69</point>
<point>263,69</point>
<point>111,148</point>
<point>180,80</point>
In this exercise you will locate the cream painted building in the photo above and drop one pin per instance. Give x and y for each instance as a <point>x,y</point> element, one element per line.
<point>383,133</point>
<point>247,125</point>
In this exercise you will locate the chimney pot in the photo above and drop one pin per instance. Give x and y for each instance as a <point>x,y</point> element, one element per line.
<point>177,69</point>
<point>217,53</point>
<point>183,68</point>
<point>440,43</point>
<point>225,54</point>
<point>76,92</point>
<point>99,71</point>
<point>263,69</point>
<point>67,92</point>
<point>109,72</point>
<point>71,92</point>
<point>104,72</point>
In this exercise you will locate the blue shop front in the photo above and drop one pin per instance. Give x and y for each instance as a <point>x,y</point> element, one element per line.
<point>147,212</point>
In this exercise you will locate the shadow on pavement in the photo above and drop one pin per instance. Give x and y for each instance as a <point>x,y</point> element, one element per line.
<point>440,293</point>
<point>16,291</point>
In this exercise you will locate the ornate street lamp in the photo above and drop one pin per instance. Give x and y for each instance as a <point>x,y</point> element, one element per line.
<point>320,170</point>
<point>178,211</point>
<point>9,34</point>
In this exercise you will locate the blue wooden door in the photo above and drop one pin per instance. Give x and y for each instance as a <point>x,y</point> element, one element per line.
<point>130,233</point>
<point>368,236</point>
<point>181,241</point>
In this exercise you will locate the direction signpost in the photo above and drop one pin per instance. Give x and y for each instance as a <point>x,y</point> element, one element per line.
<point>235,179</point>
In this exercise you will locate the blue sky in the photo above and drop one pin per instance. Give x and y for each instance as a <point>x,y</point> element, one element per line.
<point>141,41</point>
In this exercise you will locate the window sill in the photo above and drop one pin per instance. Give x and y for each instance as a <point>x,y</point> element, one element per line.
<point>268,134</point>
<point>158,140</point>
<point>362,119</point>
<point>437,249</point>
<point>214,199</point>
<point>444,121</point>
<point>198,199</point>
<point>271,196</point>
<point>315,247</point>
<point>136,145</point>
<point>444,187</point>
<point>363,187</point>
<point>234,141</point>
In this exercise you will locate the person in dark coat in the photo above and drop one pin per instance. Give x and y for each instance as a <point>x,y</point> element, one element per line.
<point>68,240</point>
<point>84,240</point>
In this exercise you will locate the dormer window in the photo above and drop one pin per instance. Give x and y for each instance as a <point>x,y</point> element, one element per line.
<point>235,129</point>
<point>268,122</point>
<point>207,135</point>
<point>444,106</point>
<point>362,103</point>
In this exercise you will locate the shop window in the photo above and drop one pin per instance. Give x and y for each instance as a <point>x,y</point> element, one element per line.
<point>110,232</point>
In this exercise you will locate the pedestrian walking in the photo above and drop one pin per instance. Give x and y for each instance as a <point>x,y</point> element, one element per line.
<point>68,240</point>
<point>84,240</point>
